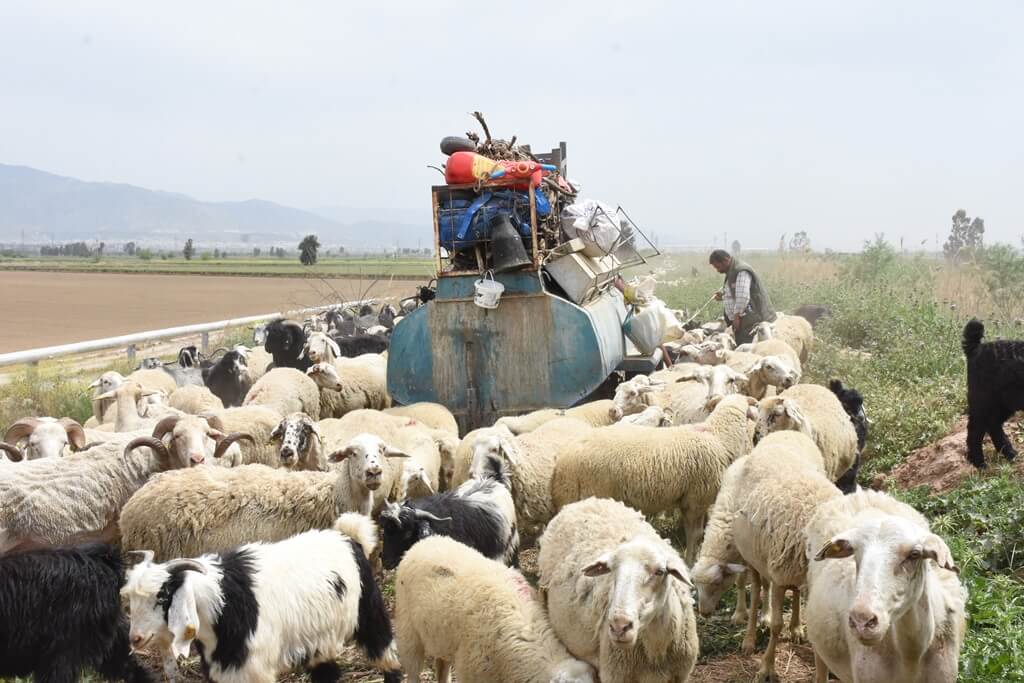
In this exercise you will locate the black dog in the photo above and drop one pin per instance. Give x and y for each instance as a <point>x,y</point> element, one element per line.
<point>995,390</point>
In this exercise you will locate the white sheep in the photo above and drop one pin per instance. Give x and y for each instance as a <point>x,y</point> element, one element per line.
<point>286,391</point>
<point>815,411</point>
<point>187,513</point>
<point>194,399</point>
<point>719,563</point>
<point>44,437</point>
<point>777,348</point>
<point>434,415</point>
<point>432,448</point>
<point>349,386</point>
<point>658,469</point>
<point>104,384</point>
<point>320,348</point>
<point>884,600</point>
<point>126,399</point>
<point>530,460</point>
<point>768,530</point>
<point>796,331</point>
<point>56,501</point>
<point>762,371</point>
<point>477,617</point>
<point>618,595</point>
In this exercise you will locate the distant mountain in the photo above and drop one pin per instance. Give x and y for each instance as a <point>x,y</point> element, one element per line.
<point>44,207</point>
<point>406,227</point>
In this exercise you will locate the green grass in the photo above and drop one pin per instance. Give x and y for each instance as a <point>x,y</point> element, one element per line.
<point>250,266</point>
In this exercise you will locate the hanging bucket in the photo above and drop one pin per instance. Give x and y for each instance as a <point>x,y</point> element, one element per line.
<point>488,292</point>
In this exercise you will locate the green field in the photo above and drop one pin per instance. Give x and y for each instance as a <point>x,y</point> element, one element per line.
<point>249,266</point>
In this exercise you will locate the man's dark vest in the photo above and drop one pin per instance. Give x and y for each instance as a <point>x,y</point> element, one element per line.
<point>760,304</point>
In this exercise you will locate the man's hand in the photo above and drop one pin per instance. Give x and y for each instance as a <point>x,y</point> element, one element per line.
<point>718,295</point>
<point>736,324</point>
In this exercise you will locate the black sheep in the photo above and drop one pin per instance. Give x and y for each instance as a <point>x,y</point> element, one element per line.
<point>351,347</point>
<point>812,313</point>
<point>995,390</point>
<point>286,341</point>
<point>60,613</point>
<point>853,404</point>
<point>228,379</point>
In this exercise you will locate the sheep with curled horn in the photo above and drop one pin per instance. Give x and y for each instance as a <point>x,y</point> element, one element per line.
<point>44,437</point>
<point>77,498</point>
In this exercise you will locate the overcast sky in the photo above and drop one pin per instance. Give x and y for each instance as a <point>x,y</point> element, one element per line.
<point>746,118</point>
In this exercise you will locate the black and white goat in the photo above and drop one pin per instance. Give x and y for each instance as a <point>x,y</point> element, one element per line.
<point>480,514</point>
<point>262,609</point>
<point>995,390</point>
<point>60,613</point>
<point>853,404</point>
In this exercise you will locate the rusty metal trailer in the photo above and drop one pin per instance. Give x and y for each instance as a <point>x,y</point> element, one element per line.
<point>537,349</point>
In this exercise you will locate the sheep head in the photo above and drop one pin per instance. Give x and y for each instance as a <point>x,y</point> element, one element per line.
<point>777,413</point>
<point>301,442</point>
<point>401,526</point>
<point>632,397</point>
<point>366,455</point>
<point>776,371</point>
<point>326,376</point>
<point>763,331</point>
<point>642,573</point>
<point>107,382</point>
<point>320,348</point>
<point>712,580</point>
<point>46,437</point>
<point>891,557</point>
<point>192,437</point>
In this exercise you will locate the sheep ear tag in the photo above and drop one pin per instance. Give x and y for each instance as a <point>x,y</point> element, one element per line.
<point>182,620</point>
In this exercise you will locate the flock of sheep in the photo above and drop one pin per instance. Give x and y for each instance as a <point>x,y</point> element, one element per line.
<point>261,496</point>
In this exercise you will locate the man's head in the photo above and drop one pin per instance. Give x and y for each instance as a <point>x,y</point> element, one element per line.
<point>720,260</point>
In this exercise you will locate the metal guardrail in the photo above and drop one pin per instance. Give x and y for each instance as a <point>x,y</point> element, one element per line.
<point>128,341</point>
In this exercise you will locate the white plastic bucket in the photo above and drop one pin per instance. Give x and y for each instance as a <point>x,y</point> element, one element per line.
<point>488,292</point>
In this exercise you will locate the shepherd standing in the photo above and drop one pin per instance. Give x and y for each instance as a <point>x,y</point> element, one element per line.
<point>745,299</point>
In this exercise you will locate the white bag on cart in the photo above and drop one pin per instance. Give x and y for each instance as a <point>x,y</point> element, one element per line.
<point>645,329</point>
<point>595,223</point>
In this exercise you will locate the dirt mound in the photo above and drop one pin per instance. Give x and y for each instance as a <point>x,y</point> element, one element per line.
<point>942,465</point>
